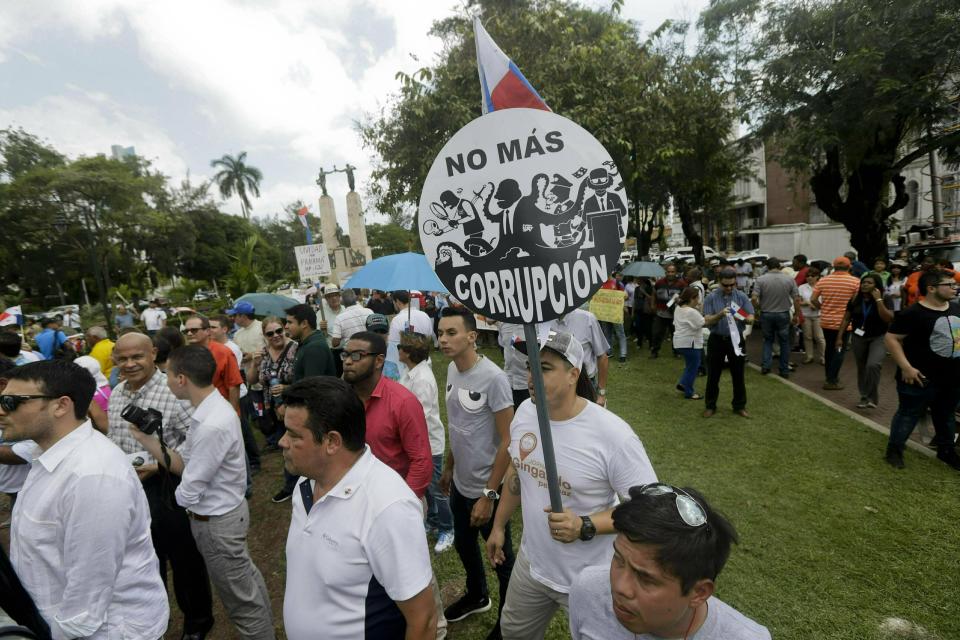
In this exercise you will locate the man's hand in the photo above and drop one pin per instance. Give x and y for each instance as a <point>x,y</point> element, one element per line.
<point>601,400</point>
<point>565,526</point>
<point>912,375</point>
<point>446,478</point>
<point>482,512</point>
<point>147,470</point>
<point>838,343</point>
<point>495,546</point>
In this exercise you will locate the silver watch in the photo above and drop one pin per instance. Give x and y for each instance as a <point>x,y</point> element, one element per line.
<point>491,494</point>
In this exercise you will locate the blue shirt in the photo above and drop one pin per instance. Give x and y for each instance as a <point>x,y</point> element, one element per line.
<point>48,341</point>
<point>716,301</point>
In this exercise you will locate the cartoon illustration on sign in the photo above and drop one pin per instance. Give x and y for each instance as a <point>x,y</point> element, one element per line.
<point>523,215</point>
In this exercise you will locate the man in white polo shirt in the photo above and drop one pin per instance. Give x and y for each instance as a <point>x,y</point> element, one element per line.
<point>357,559</point>
<point>598,457</point>
<point>213,480</point>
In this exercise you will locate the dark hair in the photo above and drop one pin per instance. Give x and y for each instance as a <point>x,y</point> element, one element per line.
<point>469,320</point>
<point>813,271</point>
<point>303,313</point>
<point>6,364</point>
<point>166,339</point>
<point>194,361</point>
<point>10,344</point>
<point>416,345</point>
<point>332,405</point>
<point>59,378</point>
<point>688,294</point>
<point>204,320</point>
<point>882,259</point>
<point>585,388</point>
<point>400,296</point>
<point>877,281</point>
<point>931,278</point>
<point>689,553</point>
<point>46,322</point>
<point>726,274</point>
<point>224,321</point>
<point>802,259</point>
<point>375,340</point>
<point>773,263</point>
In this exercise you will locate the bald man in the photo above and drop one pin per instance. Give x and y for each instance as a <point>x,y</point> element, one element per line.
<point>145,386</point>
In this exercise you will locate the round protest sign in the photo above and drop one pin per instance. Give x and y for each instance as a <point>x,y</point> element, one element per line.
<point>523,215</point>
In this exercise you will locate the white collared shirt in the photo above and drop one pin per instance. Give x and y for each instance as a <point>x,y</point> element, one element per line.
<point>352,320</point>
<point>80,542</point>
<point>215,474</point>
<point>360,549</point>
<point>421,382</point>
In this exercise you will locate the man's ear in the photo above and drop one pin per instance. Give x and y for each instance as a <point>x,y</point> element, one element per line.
<point>334,442</point>
<point>701,592</point>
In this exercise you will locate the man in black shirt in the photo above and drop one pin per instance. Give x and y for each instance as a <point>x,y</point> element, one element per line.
<point>924,340</point>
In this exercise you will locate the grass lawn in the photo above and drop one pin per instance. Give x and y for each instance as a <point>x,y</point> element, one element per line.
<point>833,541</point>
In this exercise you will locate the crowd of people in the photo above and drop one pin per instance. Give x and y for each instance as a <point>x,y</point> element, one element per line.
<point>140,455</point>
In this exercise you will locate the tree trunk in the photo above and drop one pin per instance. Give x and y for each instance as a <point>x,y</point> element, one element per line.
<point>689,231</point>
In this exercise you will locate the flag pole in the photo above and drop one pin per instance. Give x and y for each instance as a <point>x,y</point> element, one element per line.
<point>543,417</point>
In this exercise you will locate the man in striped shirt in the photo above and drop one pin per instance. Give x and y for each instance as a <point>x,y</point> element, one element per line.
<point>830,296</point>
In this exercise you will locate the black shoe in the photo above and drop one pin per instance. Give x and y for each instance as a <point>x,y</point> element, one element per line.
<point>785,376</point>
<point>495,633</point>
<point>197,635</point>
<point>894,457</point>
<point>282,496</point>
<point>623,359</point>
<point>764,371</point>
<point>949,457</point>
<point>466,606</point>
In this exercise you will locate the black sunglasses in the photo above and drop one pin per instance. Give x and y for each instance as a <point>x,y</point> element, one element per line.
<point>10,403</point>
<point>357,356</point>
<point>270,334</point>
<point>193,330</point>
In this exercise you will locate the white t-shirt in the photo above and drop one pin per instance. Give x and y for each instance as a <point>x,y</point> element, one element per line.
<point>806,291</point>
<point>421,382</point>
<point>592,617</point>
<point>238,354</point>
<point>598,457</point>
<point>357,551</point>
<point>153,318</point>
<point>417,319</point>
<point>13,475</point>
<point>630,288</point>
<point>473,396</point>
<point>687,328</point>
<point>352,320</point>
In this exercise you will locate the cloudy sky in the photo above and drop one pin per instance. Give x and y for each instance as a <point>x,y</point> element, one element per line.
<point>185,82</point>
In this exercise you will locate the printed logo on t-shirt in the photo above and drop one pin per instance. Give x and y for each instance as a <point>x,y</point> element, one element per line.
<point>472,401</point>
<point>945,337</point>
<point>527,444</point>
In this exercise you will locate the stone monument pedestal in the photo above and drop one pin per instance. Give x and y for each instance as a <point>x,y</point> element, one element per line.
<point>358,229</point>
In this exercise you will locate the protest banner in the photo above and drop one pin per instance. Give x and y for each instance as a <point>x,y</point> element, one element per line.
<point>607,305</point>
<point>312,261</point>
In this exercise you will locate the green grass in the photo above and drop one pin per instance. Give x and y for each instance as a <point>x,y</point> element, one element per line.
<point>832,540</point>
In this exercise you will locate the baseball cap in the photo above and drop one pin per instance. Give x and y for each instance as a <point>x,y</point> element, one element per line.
<point>841,261</point>
<point>330,289</point>
<point>562,342</point>
<point>377,322</point>
<point>241,307</point>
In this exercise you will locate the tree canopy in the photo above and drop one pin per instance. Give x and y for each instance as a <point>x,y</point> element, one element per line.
<point>235,176</point>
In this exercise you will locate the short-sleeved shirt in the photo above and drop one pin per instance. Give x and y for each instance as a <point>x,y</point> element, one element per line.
<point>154,394</point>
<point>421,382</point>
<point>102,352</point>
<point>834,292</point>
<point>313,358</point>
<point>124,320</point>
<point>153,318</point>
<point>592,616</point>
<point>410,319</point>
<point>250,338</point>
<point>932,342</point>
<point>864,315</point>
<point>514,362</point>
<point>663,291</point>
<point>586,328</point>
<point>354,554</point>
<point>352,320</point>
<point>776,292</point>
<point>716,301</point>
<point>598,457</point>
<point>48,341</point>
<point>227,374</point>
<point>473,397</point>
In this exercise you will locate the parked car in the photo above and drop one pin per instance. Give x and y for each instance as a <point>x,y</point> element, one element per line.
<point>62,309</point>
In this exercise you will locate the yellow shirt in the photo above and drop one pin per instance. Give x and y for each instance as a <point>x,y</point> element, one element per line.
<point>101,352</point>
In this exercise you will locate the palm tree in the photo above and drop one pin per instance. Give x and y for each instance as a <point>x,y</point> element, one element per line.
<point>235,176</point>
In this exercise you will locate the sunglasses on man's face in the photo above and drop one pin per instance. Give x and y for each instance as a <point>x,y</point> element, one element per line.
<point>270,334</point>
<point>357,356</point>
<point>192,330</point>
<point>10,403</point>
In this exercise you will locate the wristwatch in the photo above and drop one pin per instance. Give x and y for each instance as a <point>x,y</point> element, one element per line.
<point>587,529</point>
<point>602,392</point>
<point>491,494</point>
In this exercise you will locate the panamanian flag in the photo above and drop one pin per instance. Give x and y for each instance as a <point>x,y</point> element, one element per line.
<point>501,83</point>
<point>302,216</point>
<point>12,315</point>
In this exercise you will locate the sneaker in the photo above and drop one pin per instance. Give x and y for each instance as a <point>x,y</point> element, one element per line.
<point>894,457</point>
<point>871,404</point>
<point>949,457</point>
<point>444,542</point>
<point>282,496</point>
<point>466,606</point>
<point>807,360</point>
<point>832,386</point>
<point>863,404</point>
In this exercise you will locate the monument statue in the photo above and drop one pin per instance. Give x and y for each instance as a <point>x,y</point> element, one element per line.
<point>349,171</point>
<point>322,180</point>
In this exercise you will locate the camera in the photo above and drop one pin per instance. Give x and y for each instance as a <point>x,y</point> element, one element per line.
<point>146,420</point>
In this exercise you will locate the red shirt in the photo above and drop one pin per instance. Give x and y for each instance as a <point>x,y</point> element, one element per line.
<point>801,277</point>
<point>227,374</point>
<point>397,433</point>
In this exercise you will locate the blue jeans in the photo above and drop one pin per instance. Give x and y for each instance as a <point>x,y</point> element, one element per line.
<point>611,328</point>
<point>941,397</point>
<point>691,365</point>
<point>438,505</point>
<point>775,325</point>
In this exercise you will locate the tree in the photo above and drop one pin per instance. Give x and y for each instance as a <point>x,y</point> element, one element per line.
<point>850,92</point>
<point>388,239</point>
<point>243,271</point>
<point>236,177</point>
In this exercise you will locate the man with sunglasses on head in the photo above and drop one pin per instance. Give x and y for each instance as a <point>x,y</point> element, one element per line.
<point>924,340</point>
<point>670,548</point>
<point>598,456</point>
<point>726,311</point>
<point>313,358</point>
<point>80,538</point>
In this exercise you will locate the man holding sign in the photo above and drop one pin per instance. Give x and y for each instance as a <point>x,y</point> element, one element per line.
<point>598,457</point>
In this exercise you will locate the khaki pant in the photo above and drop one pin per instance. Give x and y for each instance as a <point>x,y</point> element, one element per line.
<point>813,335</point>
<point>222,541</point>
<point>530,604</point>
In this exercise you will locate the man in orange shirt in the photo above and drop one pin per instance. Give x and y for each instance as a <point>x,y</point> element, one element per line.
<point>831,295</point>
<point>911,288</point>
<point>227,378</point>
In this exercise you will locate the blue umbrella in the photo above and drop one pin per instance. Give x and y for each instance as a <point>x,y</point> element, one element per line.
<point>267,304</point>
<point>644,270</point>
<point>399,272</point>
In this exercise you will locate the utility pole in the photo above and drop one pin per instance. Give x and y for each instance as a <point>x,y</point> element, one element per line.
<point>939,231</point>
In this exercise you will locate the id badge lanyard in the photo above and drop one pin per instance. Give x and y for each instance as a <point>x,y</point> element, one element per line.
<point>866,308</point>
